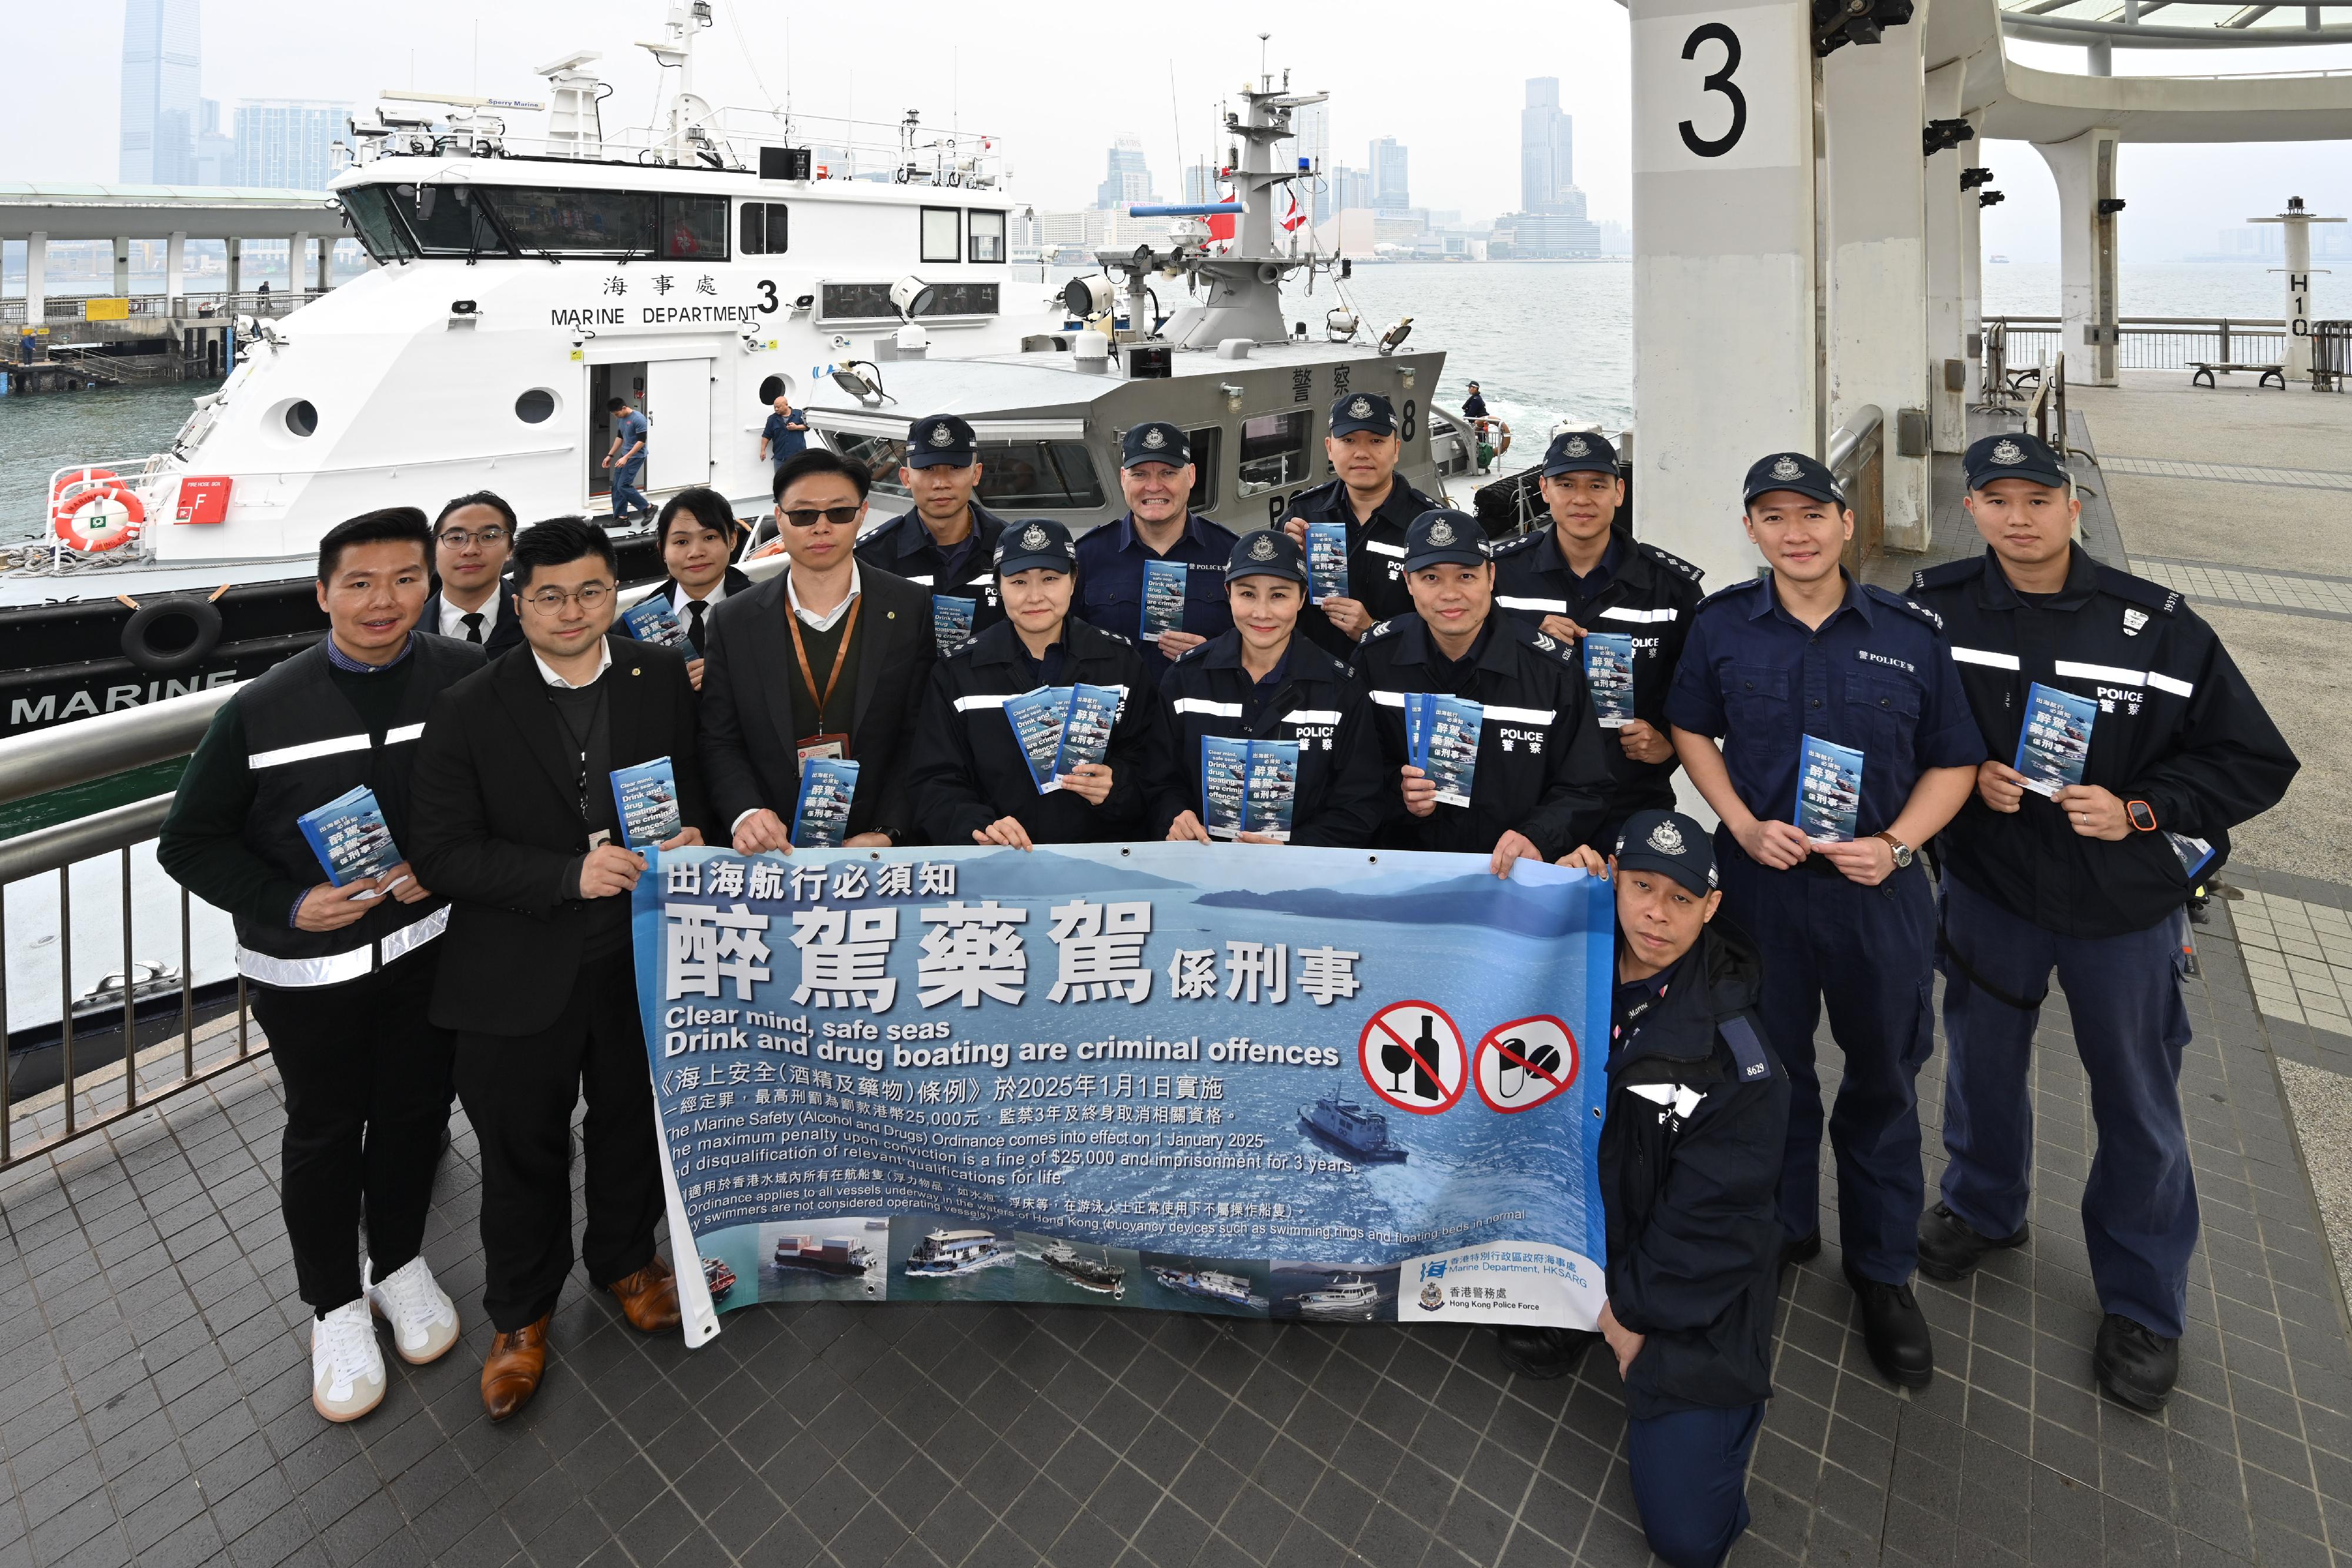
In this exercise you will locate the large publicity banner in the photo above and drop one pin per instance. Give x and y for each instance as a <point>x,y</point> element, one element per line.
<point>1298,1083</point>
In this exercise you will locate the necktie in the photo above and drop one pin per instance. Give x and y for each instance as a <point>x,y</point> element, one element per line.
<point>694,609</point>
<point>473,619</point>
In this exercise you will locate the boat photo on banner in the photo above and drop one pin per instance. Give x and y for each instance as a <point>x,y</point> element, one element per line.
<point>1319,1085</point>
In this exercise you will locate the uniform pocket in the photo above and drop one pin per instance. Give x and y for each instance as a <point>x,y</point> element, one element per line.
<point>1756,694</point>
<point>1888,707</point>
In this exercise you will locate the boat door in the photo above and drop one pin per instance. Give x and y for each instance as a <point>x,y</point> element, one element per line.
<point>677,403</point>
<point>605,382</point>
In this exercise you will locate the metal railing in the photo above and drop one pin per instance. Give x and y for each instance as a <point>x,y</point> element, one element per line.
<point>2147,342</point>
<point>88,1096</point>
<point>174,307</point>
<point>2331,356</point>
<point>1857,459</point>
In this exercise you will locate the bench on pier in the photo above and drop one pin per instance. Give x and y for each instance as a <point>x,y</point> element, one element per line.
<point>2202,370</point>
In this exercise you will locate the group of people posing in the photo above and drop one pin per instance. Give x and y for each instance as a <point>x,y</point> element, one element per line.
<point>485,715</point>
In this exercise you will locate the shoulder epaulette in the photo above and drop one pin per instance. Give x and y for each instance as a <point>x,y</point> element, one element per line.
<point>1745,585</point>
<point>1546,643</point>
<point>1910,607</point>
<point>2138,589</point>
<point>1670,562</point>
<point>1195,648</point>
<point>1517,543</point>
<point>1382,630</point>
<point>1950,574</point>
<point>963,647</point>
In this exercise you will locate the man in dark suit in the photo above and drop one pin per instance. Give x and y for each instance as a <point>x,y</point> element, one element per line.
<point>515,815</point>
<point>472,539</point>
<point>699,534</point>
<point>830,658</point>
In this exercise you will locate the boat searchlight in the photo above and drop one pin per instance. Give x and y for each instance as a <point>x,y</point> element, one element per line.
<point>865,385</point>
<point>910,297</point>
<point>1396,335</point>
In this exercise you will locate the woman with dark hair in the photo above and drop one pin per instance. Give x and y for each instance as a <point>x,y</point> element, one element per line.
<point>699,534</point>
<point>472,538</point>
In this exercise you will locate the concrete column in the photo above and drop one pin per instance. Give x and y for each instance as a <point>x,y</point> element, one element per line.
<point>1878,260</point>
<point>235,249</point>
<point>1972,292</point>
<point>1724,336</point>
<point>122,264</point>
<point>36,279</point>
<point>297,250</point>
<point>2085,168</point>
<point>175,265</point>
<point>326,262</point>
<point>1948,415</point>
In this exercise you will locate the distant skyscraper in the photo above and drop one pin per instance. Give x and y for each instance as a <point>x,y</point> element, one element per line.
<point>1350,188</point>
<point>215,148</point>
<point>1130,180</point>
<point>159,96</point>
<point>1312,140</point>
<point>289,144</point>
<point>1391,189</point>
<point>1547,149</point>
<point>1200,184</point>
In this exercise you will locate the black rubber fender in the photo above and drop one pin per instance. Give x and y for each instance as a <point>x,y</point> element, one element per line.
<point>139,631</point>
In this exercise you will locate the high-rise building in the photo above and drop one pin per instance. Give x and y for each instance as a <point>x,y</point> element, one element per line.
<point>289,144</point>
<point>160,95</point>
<point>1547,149</point>
<point>215,148</point>
<point>1200,184</point>
<point>1129,179</point>
<point>1311,139</point>
<point>1391,189</point>
<point>1350,189</point>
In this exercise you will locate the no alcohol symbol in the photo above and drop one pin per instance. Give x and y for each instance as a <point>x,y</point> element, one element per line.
<point>1413,1057</point>
<point>1523,1064</point>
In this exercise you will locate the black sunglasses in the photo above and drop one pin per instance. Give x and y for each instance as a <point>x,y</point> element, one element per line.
<point>806,516</point>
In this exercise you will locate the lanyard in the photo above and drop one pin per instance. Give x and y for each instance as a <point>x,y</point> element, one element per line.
<point>580,741</point>
<point>848,630</point>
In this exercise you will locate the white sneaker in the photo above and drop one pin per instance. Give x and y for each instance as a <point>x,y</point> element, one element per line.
<point>346,1367</point>
<point>423,1320</point>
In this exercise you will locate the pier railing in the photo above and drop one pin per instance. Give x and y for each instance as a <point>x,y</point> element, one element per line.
<point>2151,342</point>
<point>144,1031</point>
<point>171,307</point>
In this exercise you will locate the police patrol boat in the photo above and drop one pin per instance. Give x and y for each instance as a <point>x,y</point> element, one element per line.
<point>1210,1284</point>
<point>1355,1132</point>
<point>959,1252</point>
<point>1347,1296</point>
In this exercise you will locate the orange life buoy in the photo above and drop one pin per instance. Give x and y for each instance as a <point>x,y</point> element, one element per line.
<point>72,482</point>
<point>100,516</point>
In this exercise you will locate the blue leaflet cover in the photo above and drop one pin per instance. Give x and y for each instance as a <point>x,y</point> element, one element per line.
<point>349,837</point>
<point>1086,726</point>
<point>2055,741</point>
<point>1272,796</point>
<point>951,620</point>
<point>650,620</point>
<point>1828,790</point>
<point>1036,717</point>
<point>1164,598</point>
<point>1452,747</point>
<point>1224,784</point>
<point>1416,728</point>
<point>2195,855</point>
<point>821,816</point>
<point>1609,676</point>
<point>646,798</point>
<point>1327,561</point>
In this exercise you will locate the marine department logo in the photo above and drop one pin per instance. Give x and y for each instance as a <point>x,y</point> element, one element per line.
<point>1440,533</point>
<point>1034,537</point>
<point>1788,468</point>
<point>2133,621</point>
<point>942,436</point>
<point>1579,447</point>
<point>1667,839</point>
<point>1262,547</point>
<point>1155,438</point>
<point>1360,409</point>
<point>2007,454</point>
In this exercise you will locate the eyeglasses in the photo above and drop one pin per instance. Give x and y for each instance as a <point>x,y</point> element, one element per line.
<point>551,600</point>
<point>464,539</point>
<point>806,516</point>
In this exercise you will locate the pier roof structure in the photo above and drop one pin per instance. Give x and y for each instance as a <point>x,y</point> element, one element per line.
<point>77,212</point>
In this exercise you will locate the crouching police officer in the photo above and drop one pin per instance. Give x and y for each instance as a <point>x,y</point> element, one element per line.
<point>1578,575</point>
<point>1262,681</point>
<point>1690,1165</point>
<point>1364,445</point>
<point>1773,665</point>
<point>1540,784</point>
<point>2084,877</point>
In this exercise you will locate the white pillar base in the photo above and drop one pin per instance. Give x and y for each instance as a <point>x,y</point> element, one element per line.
<point>2085,169</point>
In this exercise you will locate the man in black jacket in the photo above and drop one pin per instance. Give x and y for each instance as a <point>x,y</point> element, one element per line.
<point>517,821</point>
<point>1690,1166</point>
<point>472,541</point>
<point>340,973</point>
<point>827,658</point>
<point>2144,745</point>
<point>1364,445</point>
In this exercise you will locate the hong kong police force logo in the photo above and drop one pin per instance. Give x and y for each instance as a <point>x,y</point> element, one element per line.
<point>1262,549</point>
<point>1440,533</point>
<point>1666,839</point>
<point>1360,409</point>
<point>1034,537</point>
<point>1578,448</point>
<point>1788,468</point>
<point>2007,454</point>
<point>942,436</point>
<point>1155,438</point>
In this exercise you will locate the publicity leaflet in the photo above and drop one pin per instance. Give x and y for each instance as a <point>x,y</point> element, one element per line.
<point>821,817</point>
<point>2196,854</point>
<point>650,620</point>
<point>1036,716</point>
<point>1164,598</point>
<point>2055,741</point>
<point>1828,790</point>
<point>350,838</point>
<point>1085,727</point>
<point>951,620</point>
<point>1609,675</point>
<point>1442,737</point>
<point>1327,561</point>
<point>646,798</point>
<point>1248,786</point>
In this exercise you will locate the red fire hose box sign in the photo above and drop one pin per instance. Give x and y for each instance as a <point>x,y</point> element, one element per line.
<point>201,500</point>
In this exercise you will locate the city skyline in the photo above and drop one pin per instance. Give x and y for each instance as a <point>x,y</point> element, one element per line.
<point>163,49</point>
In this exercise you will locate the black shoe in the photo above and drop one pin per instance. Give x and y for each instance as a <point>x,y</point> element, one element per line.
<point>1542,1352</point>
<point>1799,1249</point>
<point>1894,1331</point>
<point>2135,1363</point>
<point>1950,1246</point>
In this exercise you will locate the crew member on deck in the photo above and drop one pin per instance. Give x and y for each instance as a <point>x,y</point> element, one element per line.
<point>1156,473</point>
<point>1807,654</point>
<point>2088,878</point>
<point>947,541</point>
<point>471,542</point>
<point>1364,445</point>
<point>1579,574</point>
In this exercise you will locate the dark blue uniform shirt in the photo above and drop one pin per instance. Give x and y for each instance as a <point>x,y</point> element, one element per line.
<point>1877,675</point>
<point>1110,582</point>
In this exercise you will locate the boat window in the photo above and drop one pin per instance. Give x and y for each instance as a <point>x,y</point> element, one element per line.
<point>942,234</point>
<point>446,220</point>
<point>694,228</point>
<point>370,210</point>
<point>536,406</point>
<point>1016,475</point>
<point>580,222</point>
<point>855,302</point>
<point>1208,448</point>
<point>955,299</point>
<point>879,456</point>
<point>764,229</point>
<point>987,235</point>
<point>1274,452</point>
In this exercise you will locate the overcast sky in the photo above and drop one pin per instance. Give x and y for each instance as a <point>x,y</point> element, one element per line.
<point>1055,82</point>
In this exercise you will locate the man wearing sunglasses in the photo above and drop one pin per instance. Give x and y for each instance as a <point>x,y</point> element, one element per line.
<point>828,658</point>
<point>515,814</point>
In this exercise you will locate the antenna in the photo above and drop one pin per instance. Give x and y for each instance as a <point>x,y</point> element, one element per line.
<point>1262,74</point>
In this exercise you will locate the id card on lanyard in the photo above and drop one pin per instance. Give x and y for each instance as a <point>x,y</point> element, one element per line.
<point>829,743</point>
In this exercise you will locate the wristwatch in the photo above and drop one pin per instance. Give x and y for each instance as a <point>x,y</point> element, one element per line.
<point>1902,851</point>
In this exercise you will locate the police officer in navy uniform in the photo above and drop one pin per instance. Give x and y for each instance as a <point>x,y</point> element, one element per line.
<point>1540,784</point>
<point>1155,472</point>
<point>1262,681</point>
<point>947,541</point>
<point>968,778</point>
<point>1363,445</point>
<point>1579,574</point>
<point>2085,880</point>
<point>1690,1168</point>
<point>1807,653</point>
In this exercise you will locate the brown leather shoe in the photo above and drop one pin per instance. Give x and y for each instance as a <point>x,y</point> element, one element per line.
<point>648,1297</point>
<point>510,1372</point>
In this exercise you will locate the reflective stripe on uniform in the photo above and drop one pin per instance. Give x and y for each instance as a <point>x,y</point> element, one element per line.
<point>2101,673</point>
<point>1202,705</point>
<point>1388,699</point>
<point>406,732</point>
<point>965,705</point>
<point>2166,684</point>
<point>924,581</point>
<point>1310,716</point>
<point>410,937</point>
<point>1983,657</point>
<point>305,751</point>
<point>1378,549</point>
<point>1623,613</point>
<point>1522,715</point>
<point>335,968</point>
<point>1556,606</point>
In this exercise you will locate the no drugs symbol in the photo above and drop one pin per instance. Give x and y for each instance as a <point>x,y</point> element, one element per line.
<point>1523,1064</point>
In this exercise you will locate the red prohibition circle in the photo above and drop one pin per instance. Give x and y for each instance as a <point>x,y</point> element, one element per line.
<point>1372,1027</point>
<point>1494,1041</point>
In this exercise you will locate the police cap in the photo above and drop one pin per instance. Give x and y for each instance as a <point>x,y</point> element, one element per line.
<point>1791,471</point>
<point>1364,411</point>
<point>2017,456</point>
<point>1040,541</point>
<point>1441,535</point>
<point>1578,452</point>
<point>1155,441</point>
<point>1266,552</point>
<point>942,439</point>
<point>1671,844</point>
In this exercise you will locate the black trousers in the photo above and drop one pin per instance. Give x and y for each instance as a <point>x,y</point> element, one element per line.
<point>367,1098</point>
<point>520,1091</point>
